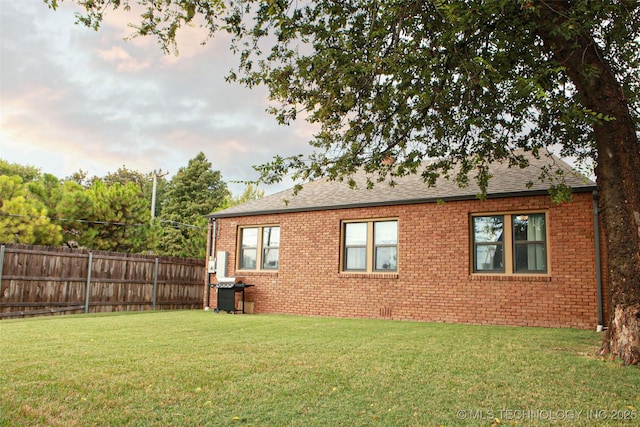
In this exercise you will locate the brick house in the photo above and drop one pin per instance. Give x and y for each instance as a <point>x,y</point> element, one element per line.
<point>418,253</point>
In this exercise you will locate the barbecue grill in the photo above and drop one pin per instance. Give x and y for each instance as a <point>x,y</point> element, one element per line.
<point>226,290</point>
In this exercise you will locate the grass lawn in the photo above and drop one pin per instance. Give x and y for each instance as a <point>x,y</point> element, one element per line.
<point>197,368</point>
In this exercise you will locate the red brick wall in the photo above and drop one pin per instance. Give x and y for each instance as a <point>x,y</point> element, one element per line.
<point>433,282</point>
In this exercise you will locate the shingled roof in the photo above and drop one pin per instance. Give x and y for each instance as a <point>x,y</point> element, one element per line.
<point>324,194</point>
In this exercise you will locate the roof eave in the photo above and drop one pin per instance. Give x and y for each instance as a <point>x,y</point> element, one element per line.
<point>391,203</point>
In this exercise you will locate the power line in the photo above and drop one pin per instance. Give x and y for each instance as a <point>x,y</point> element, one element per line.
<point>174,224</point>
<point>181,224</point>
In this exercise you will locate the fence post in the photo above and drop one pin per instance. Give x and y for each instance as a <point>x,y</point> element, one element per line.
<point>87,291</point>
<point>154,295</point>
<point>1,264</point>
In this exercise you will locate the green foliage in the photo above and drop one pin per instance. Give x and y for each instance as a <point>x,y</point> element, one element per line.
<point>120,218</point>
<point>160,18</point>
<point>47,190</point>
<point>113,212</point>
<point>250,193</point>
<point>195,191</point>
<point>47,211</point>
<point>74,209</point>
<point>124,176</point>
<point>80,177</point>
<point>143,181</point>
<point>27,173</point>
<point>22,218</point>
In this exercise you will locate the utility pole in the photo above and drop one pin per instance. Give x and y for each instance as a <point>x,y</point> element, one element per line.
<point>153,194</point>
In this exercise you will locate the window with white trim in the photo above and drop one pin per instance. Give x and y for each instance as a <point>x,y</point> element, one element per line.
<point>259,248</point>
<point>370,246</point>
<point>510,243</point>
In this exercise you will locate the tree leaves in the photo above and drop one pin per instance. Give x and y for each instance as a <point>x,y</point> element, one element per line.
<point>22,218</point>
<point>195,191</point>
<point>113,212</point>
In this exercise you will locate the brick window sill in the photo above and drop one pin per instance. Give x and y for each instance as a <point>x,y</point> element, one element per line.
<point>343,275</point>
<point>509,278</point>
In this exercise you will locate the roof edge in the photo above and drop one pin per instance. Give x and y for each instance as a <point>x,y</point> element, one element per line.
<point>585,189</point>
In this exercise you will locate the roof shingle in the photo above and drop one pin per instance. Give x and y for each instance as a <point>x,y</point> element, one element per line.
<point>324,194</point>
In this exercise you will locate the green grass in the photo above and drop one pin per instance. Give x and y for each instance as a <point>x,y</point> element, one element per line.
<point>198,368</point>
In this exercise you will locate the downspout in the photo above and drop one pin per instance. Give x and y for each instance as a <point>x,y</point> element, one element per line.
<point>212,249</point>
<point>214,238</point>
<point>596,230</point>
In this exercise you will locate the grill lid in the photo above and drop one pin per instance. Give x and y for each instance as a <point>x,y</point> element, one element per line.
<point>226,284</point>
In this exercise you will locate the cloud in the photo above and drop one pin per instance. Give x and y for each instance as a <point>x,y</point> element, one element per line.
<point>72,98</point>
<point>122,59</point>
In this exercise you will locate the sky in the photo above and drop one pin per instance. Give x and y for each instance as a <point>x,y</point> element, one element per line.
<point>75,99</point>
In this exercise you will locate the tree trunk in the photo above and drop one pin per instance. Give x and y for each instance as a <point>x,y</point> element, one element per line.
<point>622,337</point>
<point>617,172</point>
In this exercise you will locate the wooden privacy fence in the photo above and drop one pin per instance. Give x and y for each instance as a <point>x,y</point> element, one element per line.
<point>36,280</point>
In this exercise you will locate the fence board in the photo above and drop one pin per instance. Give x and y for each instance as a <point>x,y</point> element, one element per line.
<point>50,280</point>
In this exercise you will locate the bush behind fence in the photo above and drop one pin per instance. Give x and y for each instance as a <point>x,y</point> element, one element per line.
<point>38,280</point>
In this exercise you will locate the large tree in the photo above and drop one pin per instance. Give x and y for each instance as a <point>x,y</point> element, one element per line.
<point>195,191</point>
<point>462,81</point>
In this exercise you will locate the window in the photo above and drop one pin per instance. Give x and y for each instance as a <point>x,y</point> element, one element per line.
<point>355,246</point>
<point>510,243</point>
<point>259,246</point>
<point>529,239</point>
<point>488,233</point>
<point>249,248</point>
<point>370,246</point>
<point>270,247</point>
<point>385,241</point>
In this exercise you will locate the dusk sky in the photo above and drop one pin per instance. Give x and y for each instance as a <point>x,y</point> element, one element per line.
<point>72,98</point>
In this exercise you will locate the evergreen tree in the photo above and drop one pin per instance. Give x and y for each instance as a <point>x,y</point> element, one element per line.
<point>22,218</point>
<point>80,177</point>
<point>47,190</point>
<point>196,190</point>
<point>27,173</point>
<point>74,209</point>
<point>119,219</point>
<point>124,176</point>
